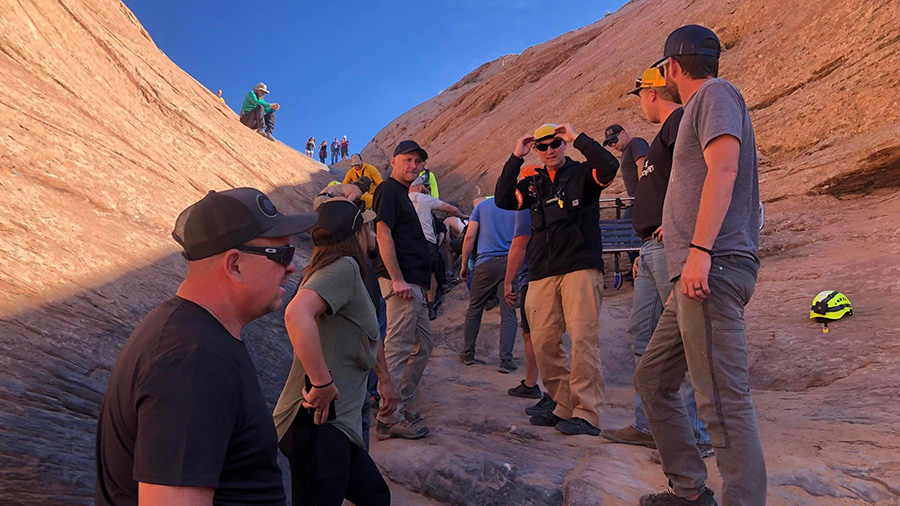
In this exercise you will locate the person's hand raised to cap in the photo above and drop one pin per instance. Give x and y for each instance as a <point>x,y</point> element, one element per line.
<point>566,133</point>
<point>523,146</point>
<point>319,399</point>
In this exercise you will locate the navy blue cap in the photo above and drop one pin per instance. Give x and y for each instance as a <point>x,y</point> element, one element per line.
<point>691,40</point>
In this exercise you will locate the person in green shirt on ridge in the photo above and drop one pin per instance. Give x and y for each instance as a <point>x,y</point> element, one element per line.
<point>258,114</point>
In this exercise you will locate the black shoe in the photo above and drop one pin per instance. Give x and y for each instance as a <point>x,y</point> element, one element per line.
<point>545,419</point>
<point>525,392</point>
<point>432,312</point>
<point>668,498</point>
<point>544,405</point>
<point>577,427</point>
<point>492,303</point>
<point>467,358</point>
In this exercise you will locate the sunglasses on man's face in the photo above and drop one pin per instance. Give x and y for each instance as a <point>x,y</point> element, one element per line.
<point>282,255</point>
<point>555,143</point>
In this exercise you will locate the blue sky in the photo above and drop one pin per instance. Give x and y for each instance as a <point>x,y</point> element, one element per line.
<point>348,68</point>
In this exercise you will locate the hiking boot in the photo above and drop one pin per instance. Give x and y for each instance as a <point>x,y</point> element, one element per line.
<point>545,419</point>
<point>507,366</point>
<point>467,358</point>
<point>544,405</point>
<point>525,392</point>
<point>412,417</point>
<point>577,427</point>
<point>432,311</point>
<point>629,436</point>
<point>402,430</point>
<point>261,131</point>
<point>668,498</point>
<point>268,135</point>
<point>706,451</point>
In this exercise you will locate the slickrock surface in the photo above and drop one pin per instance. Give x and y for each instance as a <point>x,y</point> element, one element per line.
<point>103,141</point>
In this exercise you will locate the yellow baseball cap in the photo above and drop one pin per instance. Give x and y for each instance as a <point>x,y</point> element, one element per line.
<point>651,79</point>
<point>545,131</point>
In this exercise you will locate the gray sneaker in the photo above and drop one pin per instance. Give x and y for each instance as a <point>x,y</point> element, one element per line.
<point>402,430</point>
<point>467,358</point>
<point>507,366</point>
<point>668,498</point>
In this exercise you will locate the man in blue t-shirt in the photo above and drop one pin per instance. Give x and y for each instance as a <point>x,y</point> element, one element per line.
<point>493,227</point>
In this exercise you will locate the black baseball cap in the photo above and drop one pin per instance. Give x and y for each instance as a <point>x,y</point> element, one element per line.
<point>408,146</point>
<point>341,218</point>
<point>612,133</point>
<point>224,220</point>
<point>691,40</point>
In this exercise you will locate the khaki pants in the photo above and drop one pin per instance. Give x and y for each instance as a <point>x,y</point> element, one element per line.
<point>408,343</point>
<point>569,302</point>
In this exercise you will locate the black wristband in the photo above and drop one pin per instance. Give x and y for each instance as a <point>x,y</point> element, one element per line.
<point>325,385</point>
<point>701,248</point>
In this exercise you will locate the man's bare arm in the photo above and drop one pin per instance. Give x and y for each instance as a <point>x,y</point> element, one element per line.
<point>468,246</point>
<point>514,262</point>
<point>164,495</point>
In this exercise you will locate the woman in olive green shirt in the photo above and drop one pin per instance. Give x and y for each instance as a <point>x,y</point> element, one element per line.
<point>334,332</point>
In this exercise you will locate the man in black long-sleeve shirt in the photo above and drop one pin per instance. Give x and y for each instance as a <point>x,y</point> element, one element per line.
<point>566,286</point>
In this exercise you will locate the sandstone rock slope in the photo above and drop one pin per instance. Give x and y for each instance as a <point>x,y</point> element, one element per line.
<point>103,140</point>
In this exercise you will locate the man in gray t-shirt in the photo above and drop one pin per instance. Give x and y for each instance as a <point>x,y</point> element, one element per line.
<point>711,239</point>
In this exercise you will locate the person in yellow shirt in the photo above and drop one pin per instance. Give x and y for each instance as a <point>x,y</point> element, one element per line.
<point>431,181</point>
<point>359,169</point>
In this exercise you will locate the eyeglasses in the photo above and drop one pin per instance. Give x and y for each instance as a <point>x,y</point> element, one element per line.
<point>555,143</point>
<point>282,255</point>
<point>662,68</point>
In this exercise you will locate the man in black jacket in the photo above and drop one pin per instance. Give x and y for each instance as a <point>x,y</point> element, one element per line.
<point>566,286</point>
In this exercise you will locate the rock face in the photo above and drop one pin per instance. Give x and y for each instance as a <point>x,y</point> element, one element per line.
<point>103,141</point>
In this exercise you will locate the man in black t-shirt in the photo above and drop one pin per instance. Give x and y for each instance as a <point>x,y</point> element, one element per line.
<point>651,278</point>
<point>183,420</point>
<point>404,275</point>
<point>633,150</point>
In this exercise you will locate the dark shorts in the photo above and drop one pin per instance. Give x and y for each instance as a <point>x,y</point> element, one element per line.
<point>523,318</point>
<point>434,255</point>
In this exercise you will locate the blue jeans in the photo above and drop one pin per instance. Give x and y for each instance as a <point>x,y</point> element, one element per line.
<point>334,157</point>
<point>651,289</point>
<point>373,380</point>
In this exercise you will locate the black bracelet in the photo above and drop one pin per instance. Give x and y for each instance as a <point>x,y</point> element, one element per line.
<point>325,385</point>
<point>701,248</point>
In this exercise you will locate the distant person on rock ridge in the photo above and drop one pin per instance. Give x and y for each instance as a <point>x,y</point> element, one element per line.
<point>359,170</point>
<point>333,328</point>
<point>404,275</point>
<point>311,147</point>
<point>565,289</point>
<point>710,221</point>
<point>323,151</point>
<point>184,420</point>
<point>493,229</point>
<point>335,151</point>
<point>633,150</point>
<point>651,278</point>
<point>219,96</point>
<point>345,147</point>
<point>258,114</point>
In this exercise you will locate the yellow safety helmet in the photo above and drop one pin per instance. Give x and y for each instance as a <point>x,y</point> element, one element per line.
<point>829,305</point>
